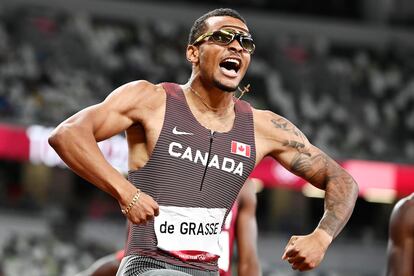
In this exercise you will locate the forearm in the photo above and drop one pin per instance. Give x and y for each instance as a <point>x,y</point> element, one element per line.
<point>341,190</point>
<point>341,193</point>
<point>79,150</point>
<point>248,263</point>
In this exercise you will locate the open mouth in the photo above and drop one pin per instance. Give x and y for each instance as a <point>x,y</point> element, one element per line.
<point>230,65</point>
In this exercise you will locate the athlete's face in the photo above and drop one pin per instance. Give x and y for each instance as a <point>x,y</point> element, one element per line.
<point>222,65</point>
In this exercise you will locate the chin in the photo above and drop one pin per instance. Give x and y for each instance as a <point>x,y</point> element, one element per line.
<point>229,88</point>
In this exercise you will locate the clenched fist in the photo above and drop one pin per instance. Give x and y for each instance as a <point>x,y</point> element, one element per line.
<point>143,209</point>
<point>306,252</point>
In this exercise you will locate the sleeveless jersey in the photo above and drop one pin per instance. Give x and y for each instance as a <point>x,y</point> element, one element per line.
<point>194,175</point>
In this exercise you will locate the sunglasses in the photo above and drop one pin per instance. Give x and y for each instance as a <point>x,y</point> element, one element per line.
<point>225,37</point>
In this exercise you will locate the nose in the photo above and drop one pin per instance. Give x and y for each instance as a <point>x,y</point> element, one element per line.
<point>235,46</point>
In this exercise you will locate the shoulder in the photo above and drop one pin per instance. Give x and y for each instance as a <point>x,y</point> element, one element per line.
<point>262,118</point>
<point>403,211</point>
<point>140,89</point>
<point>402,217</point>
<point>274,126</point>
<point>138,94</point>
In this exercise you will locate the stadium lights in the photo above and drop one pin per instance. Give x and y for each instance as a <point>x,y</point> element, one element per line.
<point>380,195</point>
<point>311,191</point>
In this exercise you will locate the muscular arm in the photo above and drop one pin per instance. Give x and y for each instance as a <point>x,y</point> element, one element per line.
<point>279,138</point>
<point>310,163</point>
<point>75,140</point>
<point>246,232</point>
<point>400,252</point>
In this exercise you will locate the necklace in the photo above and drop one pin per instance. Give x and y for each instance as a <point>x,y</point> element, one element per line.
<point>207,105</point>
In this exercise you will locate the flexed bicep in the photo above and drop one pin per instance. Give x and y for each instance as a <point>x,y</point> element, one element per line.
<point>299,156</point>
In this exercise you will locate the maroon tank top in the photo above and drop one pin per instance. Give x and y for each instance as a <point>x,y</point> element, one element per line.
<point>196,170</point>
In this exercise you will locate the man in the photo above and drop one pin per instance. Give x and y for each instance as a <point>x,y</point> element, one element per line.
<point>191,148</point>
<point>240,225</point>
<point>401,238</point>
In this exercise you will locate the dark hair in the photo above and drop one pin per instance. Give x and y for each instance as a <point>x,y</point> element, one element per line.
<point>200,26</point>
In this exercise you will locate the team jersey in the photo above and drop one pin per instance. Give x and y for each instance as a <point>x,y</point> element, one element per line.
<point>194,175</point>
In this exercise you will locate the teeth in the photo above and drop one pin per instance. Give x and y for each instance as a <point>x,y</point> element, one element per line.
<point>232,60</point>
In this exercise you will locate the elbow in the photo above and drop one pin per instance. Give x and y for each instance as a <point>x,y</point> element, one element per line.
<point>53,139</point>
<point>351,188</point>
<point>58,136</point>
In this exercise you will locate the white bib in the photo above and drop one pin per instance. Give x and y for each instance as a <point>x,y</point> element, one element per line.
<point>189,233</point>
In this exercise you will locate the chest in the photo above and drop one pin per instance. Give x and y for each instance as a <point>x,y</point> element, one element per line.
<point>217,122</point>
<point>197,162</point>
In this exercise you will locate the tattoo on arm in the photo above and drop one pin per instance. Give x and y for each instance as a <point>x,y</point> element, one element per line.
<point>283,124</point>
<point>341,189</point>
<point>300,147</point>
<point>341,194</point>
<point>312,168</point>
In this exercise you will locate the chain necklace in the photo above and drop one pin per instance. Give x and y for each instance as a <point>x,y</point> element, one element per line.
<point>207,105</point>
<point>245,90</point>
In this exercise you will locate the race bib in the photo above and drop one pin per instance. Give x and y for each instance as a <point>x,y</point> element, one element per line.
<point>189,233</point>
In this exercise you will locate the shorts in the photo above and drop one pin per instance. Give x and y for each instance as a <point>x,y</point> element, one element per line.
<point>134,265</point>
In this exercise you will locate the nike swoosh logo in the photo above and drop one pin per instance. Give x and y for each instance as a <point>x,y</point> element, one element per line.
<point>175,131</point>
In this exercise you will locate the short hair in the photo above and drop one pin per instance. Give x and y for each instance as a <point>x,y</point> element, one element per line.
<point>200,26</point>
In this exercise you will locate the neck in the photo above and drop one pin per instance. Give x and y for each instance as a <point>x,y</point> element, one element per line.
<point>213,100</point>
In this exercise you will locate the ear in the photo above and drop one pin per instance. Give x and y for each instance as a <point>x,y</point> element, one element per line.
<point>192,54</point>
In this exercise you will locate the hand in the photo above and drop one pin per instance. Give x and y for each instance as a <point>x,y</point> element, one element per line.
<point>306,252</point>
<point>144,210</point>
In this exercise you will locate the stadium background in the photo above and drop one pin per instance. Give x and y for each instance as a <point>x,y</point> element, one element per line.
<point>342,71</point>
